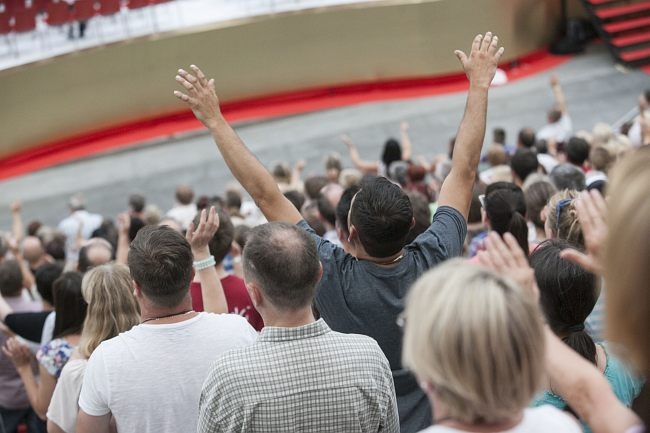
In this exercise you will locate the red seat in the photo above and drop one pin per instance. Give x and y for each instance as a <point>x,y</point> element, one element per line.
<point>58,13</point>
<point>5,23</point>
<point>108,7</point>
<point>25,20</point>
<point>39,5</point>
<point>83,10</point>
<point>11,6</point>
<point>137,4</point>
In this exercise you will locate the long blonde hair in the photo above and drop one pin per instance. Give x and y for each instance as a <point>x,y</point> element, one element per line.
<point>112,308</point>
<point>627,255</point>
<point>477,339</point>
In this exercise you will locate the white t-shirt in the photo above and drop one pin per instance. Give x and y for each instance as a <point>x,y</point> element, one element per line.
<point>70,227</point>
<point>560,131</point>
<point>64,404</point>
<point>150,377</point>
<point>543,419</point>
<point>184,214</point>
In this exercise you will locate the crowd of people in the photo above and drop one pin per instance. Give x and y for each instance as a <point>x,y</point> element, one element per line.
<point>497,293</point>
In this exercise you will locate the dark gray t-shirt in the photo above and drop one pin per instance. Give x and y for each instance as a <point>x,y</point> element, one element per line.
<point>360,297</point>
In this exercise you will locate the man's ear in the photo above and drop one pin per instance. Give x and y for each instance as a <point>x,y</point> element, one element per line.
<point>255,293</point>
<point>320,271</point>
<point>137,290</point>
<point>412,222</point>
<point>354,234</point>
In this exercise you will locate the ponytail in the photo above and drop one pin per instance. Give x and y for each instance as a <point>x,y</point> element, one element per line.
<point>518,227</point>
<point>578,340</point>
<point>505,207</point>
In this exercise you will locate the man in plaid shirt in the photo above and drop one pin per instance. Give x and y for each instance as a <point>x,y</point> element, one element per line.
<point>300,376</point>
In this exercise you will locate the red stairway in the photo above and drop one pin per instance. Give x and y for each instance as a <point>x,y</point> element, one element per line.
<point>625,26</point>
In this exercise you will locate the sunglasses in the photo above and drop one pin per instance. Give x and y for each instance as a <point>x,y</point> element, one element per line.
<point>558,211</point>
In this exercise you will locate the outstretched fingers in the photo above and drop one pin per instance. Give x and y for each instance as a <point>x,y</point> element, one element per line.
<point>185,98</point>
<point>476,44</point>
<point>185,83</point>
<point>200,75</point>
<point>485,43</point>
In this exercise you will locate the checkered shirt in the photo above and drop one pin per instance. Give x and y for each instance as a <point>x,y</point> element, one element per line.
<point>305,379</point>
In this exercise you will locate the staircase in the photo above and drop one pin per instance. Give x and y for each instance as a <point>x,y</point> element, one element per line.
<point>624,26</point>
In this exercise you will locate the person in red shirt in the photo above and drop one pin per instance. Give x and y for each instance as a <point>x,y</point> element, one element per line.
<point>237,297</point>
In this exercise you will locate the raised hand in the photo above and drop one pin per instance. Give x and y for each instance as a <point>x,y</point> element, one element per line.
<point>123,224</point>
<point>404,126</point>
<point>554,80</point>
<point>16,207</point>
<point>200,95</point>
<point>481,64</point>
<point>18,352</point>
<point>592,214</point>
<point>506,258</point>
<point>347,140</point>
<point>200,236</point>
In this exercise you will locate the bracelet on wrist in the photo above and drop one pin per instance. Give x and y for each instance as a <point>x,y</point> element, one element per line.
<point>199,265</point>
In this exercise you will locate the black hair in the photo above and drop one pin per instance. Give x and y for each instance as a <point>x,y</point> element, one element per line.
<point>45,276</point>
<point>392,152</point>
<point>11,278</point>
<point>134,227</point>
<point>526,137</point>
<point>421,213</point>
<point>221,242</point>
<point>568,294</point>
<point>499,135</point>
<point>137,202</point>
<point>69,305</point>
<point>523,163</point>
<point>382,214</point>
<point>296,198</point>
<point>577,151</point>
<point>505,207</point>
<point>326,210</point>
<point>313,185</point>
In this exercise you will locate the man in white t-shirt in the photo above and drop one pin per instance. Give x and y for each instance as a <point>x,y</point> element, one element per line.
<point>559,127</point>
<point>184,210</point>
<point>79,224</point>
<point>149,378</point>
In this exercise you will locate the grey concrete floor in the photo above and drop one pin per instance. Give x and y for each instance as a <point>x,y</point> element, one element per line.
<point>596,92</point>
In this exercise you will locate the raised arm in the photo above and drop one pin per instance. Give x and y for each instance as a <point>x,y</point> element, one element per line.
<point>17,228</point>
<point>201,97</point>
<point>365,166</point>
<point>407,146</point>
<point>214,299</point>
<point>558,94</point>
<point>480,67</point>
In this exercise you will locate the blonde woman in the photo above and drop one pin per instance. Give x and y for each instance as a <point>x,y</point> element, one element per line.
<point>112,309</point>
<point>476,344</point>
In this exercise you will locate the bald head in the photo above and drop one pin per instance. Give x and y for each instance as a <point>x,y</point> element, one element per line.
<point>94,253</point>
<point>288,277</point>
<point>184,194</point>
<point>33,250</point>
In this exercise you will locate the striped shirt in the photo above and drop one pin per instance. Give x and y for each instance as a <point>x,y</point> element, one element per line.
<point>304,379</point>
